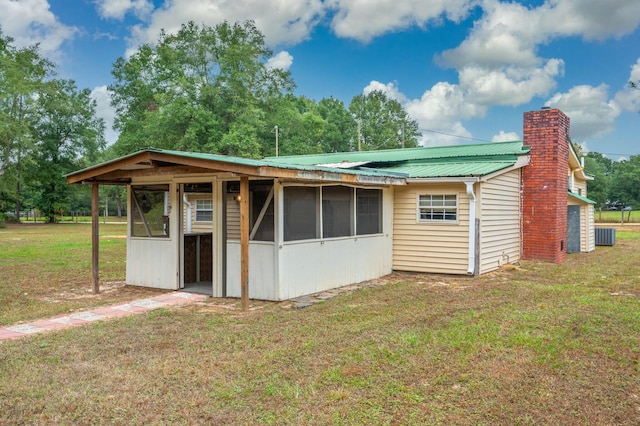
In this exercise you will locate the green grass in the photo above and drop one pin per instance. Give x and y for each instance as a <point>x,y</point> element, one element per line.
<point>46,269</point>
<point>541,344</point>
<point>616,217</point>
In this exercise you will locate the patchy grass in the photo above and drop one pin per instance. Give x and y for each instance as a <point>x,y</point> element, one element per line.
<point>46,269</point>
<point>539,344</point>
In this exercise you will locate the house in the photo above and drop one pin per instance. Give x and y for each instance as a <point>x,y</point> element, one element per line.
<point>278,228</point>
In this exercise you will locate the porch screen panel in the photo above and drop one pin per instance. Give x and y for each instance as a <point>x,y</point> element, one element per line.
<point>368,211</point>
<point>300,213</point>
<point>337,217</point>
<point>150,211</point>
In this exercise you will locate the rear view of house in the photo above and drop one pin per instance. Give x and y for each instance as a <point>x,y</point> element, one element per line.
<point>297,225</point>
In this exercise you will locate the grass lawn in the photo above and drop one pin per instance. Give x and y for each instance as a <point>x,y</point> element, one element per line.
<point>539,344</point>
<point>616,217</point>
<point>45,270</point>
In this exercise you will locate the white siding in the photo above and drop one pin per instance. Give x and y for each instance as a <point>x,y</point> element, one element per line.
<point>587,229</point>
<point>262,280</point>
<point>313,266</point>
<point>499,221</point>
<point>430,247</point>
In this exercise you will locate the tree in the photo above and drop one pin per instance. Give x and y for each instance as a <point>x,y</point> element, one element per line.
<point>598,166</point>
<point>340,128</point>
<point>22,75</point>
<point>384,124</point>
<point>65,129</point>
<point>202,89</point>
<point>625,182</point>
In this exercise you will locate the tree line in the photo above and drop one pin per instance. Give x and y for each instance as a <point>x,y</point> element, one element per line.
<point>203,89</point>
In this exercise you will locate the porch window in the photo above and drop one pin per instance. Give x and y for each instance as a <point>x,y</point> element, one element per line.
<point>438,208</point>
<point>368,211</point>
<point>300,213</point>
<point>150,211</point>
<point>345,212</point>
<point>337,219</point>
<point>204,210</point>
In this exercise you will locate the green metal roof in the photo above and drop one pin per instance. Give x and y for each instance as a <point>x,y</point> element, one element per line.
<point>432,162</point>
<point>581,198</point>
<point>408,154</point>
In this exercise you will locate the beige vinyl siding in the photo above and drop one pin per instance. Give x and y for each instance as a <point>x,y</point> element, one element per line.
<point>233,217</point>
<point>580,187</point>
<point>438,247</point>
<point>499,221</point>
<point>587,229</point>
<point>195,226</point>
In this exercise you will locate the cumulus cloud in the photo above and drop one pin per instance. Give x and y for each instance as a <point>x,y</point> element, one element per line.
<point>629,98</point>
<point>503,136</point>
<point>282,60</point>
<point>282,22</point>
<point>389,89</point>
<point>363,20</point>
<point>591,111</point>
<point>105,111</point>
<point>31,21</point>
<point>117,9</point>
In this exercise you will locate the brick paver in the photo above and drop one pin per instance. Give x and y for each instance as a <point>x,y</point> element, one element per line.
<point>99,314</point>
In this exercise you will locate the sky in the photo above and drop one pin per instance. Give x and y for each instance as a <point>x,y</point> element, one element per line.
<point>465,70</point>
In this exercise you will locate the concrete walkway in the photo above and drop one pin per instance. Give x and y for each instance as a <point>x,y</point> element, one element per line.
<point>80,318</point>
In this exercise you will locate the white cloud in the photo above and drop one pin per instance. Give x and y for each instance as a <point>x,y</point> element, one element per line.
<point>389,89</point>
<point>31,21</point>
<point>364,20</point>
<point>503,136</point>
<point>105,111</point>
<point>282,60</point>
<point>511,85</point>
<point>592,114</point>
<point>282,22</point>
<point>629,98</point>
<point>117,9</point>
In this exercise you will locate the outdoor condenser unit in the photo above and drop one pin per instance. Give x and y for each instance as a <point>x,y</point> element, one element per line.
<point>605,236</point>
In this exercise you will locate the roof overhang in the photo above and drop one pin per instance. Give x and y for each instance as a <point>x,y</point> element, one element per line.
<point>151,162</point>
<point>581,198</point>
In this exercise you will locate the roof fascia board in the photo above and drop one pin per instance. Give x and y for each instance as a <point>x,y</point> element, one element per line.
<point>463,179</point>
<point>86,175</point>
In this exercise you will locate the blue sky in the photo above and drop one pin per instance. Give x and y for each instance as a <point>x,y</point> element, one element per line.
<point>466,70</point>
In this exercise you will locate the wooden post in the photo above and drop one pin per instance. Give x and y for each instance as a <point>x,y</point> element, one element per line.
<point>95,240</point>
<point>244,242</point>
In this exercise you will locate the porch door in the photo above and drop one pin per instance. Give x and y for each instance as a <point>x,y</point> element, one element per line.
<point>573,229</point>
<point>197,237</point>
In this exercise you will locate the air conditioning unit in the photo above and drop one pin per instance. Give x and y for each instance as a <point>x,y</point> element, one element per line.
<point>605,236</point>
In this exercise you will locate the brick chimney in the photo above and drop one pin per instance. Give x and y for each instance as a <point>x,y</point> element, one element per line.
<point>544,186</point>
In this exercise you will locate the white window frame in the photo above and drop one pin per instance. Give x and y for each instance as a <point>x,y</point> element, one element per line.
<point>423,205</point>
<point>200,209</point>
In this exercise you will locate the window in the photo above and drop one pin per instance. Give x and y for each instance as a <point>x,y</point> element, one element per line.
<point>204,210</point>
<point>345,211</point>
<point>437,207</point>
<point>368,211</point>
<point>150,211</point>
<point>337,219</point>
<point>261,208</point>
<point>300,212</point>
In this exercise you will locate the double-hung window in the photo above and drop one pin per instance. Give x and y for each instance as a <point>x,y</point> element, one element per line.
<point>438,208</point>
<point>204,210</point>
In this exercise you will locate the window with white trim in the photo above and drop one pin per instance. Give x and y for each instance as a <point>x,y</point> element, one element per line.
<point>204,210</point>
<point>438,208</point>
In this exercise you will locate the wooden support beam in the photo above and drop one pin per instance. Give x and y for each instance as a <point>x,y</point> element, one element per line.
<point>95,240</point>
<point>244,242</point>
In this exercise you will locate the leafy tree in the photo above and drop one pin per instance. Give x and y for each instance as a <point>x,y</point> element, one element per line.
<point>384,124</point>
<point>625,182</point>
<point>65,129</point>
<point>598,166</point>
<point>340,128</point>
<point>203,89</point>
<point>22,76</point>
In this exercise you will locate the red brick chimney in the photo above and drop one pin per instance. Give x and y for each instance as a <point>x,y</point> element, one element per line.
<point>544,186</point>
